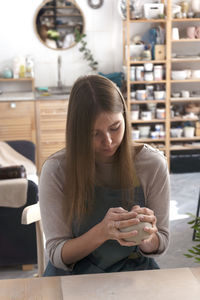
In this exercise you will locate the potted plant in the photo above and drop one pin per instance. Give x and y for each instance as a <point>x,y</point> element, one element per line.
<point>194,252</point>
<point>87,54</point>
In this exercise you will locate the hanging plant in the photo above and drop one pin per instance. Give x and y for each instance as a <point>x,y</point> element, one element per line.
<point>87,54</point>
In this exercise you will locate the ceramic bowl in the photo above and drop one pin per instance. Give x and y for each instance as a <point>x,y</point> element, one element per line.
<point>196,74</point>
<point>159,95</point>
<point>176,132</point>
<point>179,75</point>
<point>144,131</point>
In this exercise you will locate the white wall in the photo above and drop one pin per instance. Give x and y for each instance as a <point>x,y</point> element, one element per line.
<point>17,37</point>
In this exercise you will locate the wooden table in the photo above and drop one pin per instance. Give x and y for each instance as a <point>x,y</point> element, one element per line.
<point>167,284</point>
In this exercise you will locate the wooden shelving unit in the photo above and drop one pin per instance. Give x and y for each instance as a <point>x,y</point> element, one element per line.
<point>184,143</point>
<point>168,143</point>
<point>21,80</point>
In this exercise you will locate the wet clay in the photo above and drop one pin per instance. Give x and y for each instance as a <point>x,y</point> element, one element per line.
<point>142,235</point>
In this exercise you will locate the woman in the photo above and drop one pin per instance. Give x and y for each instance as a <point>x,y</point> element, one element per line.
<point>98,185</point>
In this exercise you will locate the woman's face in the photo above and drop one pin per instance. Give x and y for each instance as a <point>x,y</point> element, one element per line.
<point>107,134</point>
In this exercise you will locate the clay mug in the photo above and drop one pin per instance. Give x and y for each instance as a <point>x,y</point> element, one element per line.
<point>191,32</point>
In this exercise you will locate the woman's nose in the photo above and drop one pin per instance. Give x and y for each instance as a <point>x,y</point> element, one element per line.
<point>107,139</point>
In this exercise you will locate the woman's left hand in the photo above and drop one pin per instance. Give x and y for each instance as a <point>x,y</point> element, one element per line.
<point>151,244</point>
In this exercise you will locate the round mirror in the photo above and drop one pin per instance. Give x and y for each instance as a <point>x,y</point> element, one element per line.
<point>57,23</point>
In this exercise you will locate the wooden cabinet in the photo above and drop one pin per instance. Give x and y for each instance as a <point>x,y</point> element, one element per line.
<point>41,121</point>
<point>184,48</point>
<point>51,124</point>
<point>17,120</point>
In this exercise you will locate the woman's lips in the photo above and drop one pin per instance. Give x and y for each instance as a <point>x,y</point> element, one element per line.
<point>108,150</point>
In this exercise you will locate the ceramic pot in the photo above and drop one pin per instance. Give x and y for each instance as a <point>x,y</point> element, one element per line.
<point>188,131</point>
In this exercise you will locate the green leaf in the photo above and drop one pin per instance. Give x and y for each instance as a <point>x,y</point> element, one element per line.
<point>188,255</point>
<point>196,248</point>
<point>192,251</point>
<point>191,222</point>
<point>198,259</point>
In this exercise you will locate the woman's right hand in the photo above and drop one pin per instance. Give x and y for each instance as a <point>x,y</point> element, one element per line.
<point>115,219</point>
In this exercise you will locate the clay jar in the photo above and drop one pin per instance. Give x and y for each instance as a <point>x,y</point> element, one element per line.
<point>191,32</point>
<point>142,235</point>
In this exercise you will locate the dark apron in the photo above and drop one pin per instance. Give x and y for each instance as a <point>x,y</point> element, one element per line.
<point>110,256</point>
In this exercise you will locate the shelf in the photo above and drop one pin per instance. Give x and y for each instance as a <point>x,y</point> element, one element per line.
<point>185,80</point>
<point>147,82</point>
<point>16,79</point>
<point>184,148</point>
<point>146,101</point>
<point>55,7</point>
<point>177,60</point>
<point>148,121</point>
<point>184,139</point>
<point>186,20</point>
<point>141,62</point>
<point>185,40</point>
<point>149,140</point>
<point>184,119</point>
<point>60,15</point>
<point>147,20</point>
<point>62,25</point>
<point>191,99</point>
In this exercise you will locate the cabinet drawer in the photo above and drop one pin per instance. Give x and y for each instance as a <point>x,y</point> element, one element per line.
<point>17,121</point>
<point>16,109</point>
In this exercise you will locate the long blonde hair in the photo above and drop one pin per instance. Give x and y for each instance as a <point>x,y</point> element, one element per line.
<point>89,96</point>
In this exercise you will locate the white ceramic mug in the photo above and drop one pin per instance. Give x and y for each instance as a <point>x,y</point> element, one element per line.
<point>134,114</point>
<point>188,131</point>
<point>196,74</point>
<point>145,115</point>
<point>185,94</point>
<point>175,33</point>
<point>135,134</point>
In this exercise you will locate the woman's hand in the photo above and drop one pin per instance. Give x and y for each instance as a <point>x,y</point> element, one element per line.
<point>151,244</point>
<point>115,219</point>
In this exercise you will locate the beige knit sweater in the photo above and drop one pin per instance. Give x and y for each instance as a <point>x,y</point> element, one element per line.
<point>152,172</point>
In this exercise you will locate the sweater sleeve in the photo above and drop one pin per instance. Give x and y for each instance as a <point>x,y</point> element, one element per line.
<point>51,199</point>
<point>153,174</point>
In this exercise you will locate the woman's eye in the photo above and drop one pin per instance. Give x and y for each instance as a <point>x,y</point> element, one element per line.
<point>115,128</point>
<point>94,134</point>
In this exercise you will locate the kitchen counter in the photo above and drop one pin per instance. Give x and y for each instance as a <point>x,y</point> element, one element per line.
<point>16,96</point>
<point>30,96</point>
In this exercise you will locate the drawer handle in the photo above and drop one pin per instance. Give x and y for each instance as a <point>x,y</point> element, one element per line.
<point>13,105</point>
